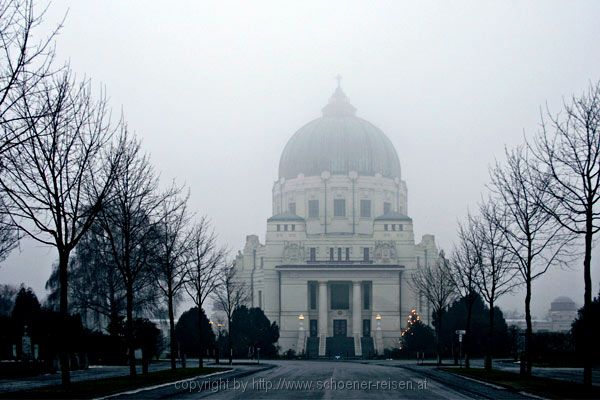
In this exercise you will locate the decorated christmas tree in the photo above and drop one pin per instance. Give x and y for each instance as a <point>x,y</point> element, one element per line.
<point>416,336</point>
<point>413,318</point>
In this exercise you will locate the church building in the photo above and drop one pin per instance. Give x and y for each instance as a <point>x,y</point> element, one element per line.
<point>335,271</point>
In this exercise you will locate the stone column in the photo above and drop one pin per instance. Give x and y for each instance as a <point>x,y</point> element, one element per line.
<point>356,317</point>
<point>322,316</point>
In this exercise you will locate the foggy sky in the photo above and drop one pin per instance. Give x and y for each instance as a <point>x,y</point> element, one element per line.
<point>215,90</point>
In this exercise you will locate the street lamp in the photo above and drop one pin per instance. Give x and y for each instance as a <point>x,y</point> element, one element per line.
<point>301,345</point>
<point>378,319</point>
<point>460,334</point>
<point>378,335</point>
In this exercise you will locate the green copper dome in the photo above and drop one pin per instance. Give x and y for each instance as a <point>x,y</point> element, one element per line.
<point>339,142</point>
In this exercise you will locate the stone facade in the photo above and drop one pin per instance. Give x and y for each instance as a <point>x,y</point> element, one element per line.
<point>339,250</point>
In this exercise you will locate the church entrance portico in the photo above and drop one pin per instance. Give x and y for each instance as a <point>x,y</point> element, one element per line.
<point>341,304</point>
<point>340,315</point>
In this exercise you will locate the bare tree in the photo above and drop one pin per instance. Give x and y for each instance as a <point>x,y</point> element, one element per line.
<point>96,286</point>
<point>464,266</point>
<point>25,62</point>
<point>9,235</point>
<point>533,237</point>
<point>434,283</point>
<point>172,245</point>
<point>8,294</point>
<point>230,294</point>
<point>129,225</point>
<point>96,289</point>
<point>203,269</point>
<point>568,149</point>
<point>57,180</point>
<point>497,274</point>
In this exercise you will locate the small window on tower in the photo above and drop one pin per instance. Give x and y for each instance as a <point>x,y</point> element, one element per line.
<point>331,254</point>
<point>293,227</point>
<point>278,228</point>
<point>285,227</point>
<point>365,208</point>
<point>385,227</point>
<point>393,227</point>
<point>292,208</point>
<point>387,207</point>
<point>339,208</point>
<point>347,253</point>
<point>366,254</point>
<point>339,254</point>
<point>313,209</point>
<point>313,254</point>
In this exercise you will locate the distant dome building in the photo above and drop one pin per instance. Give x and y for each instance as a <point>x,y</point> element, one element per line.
<point>563,303</point>
<point>561,315</point>
<point>335,269</point>
<point>562,312</point>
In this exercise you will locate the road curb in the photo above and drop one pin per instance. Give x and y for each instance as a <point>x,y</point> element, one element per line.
<point>146,388</point>
<point>239,374</point>
<point>497,387</point>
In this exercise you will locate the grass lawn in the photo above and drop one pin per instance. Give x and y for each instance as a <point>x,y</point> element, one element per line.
<point>107,386</point>
<point>544,387</point>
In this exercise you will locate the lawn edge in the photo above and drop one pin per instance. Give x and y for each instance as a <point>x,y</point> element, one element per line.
<point>161,385</point>
<point>495,385</point>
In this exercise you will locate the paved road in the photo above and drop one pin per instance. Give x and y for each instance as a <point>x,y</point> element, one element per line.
<point>330,380</point>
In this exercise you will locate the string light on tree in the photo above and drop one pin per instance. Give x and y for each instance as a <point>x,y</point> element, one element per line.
<point>413,317</point>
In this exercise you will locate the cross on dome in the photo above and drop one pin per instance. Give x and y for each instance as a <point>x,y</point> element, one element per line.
<point>339,105</point>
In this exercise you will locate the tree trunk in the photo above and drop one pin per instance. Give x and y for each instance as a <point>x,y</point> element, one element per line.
<point>114,320</point>
<point>145,362</point>
<point>438,331</point>
<point>230,342</point>
<point>587,302</point>
<point>529,330</point>
<point>63,265</point>
<point>200,344</point>
<point>466,341</point>
<point>490,347</point>
<point>129,333</point>
<point>172,339</point>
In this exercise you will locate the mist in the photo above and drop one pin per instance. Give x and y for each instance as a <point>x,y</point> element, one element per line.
<point>216,89</point>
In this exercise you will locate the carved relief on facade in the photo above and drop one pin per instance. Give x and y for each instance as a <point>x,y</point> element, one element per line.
<point>385,252</point>
<point>293,252</point>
